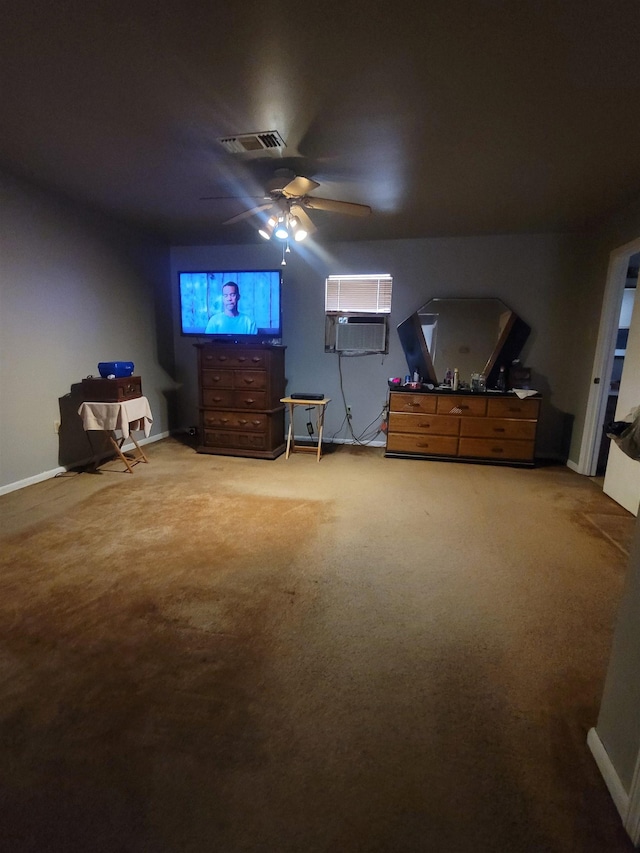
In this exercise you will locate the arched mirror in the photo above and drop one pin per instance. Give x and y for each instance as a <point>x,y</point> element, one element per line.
<point>474,335</point>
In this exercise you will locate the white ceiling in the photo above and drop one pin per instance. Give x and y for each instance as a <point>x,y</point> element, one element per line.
<point>455,117</point>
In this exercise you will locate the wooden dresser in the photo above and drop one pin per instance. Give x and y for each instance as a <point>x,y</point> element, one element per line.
<point>240,410</point>
<point>467,426</point>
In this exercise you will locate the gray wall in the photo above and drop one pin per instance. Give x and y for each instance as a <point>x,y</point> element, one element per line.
<point>618,725</point>
<point>536,275</point>
<point>74,290</point>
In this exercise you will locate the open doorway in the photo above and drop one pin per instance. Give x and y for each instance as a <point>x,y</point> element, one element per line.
<point>612,388</point>
<point>603,364</point>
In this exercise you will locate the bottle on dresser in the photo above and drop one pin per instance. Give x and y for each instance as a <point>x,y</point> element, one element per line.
<point>456,379</point>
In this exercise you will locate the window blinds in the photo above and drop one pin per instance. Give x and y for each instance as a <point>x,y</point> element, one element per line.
<point>364,294</point>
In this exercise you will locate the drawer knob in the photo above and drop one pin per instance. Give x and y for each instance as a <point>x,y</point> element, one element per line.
<point>498,429</point>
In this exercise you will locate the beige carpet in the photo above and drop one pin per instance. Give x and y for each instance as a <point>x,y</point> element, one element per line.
<point>361,654</point>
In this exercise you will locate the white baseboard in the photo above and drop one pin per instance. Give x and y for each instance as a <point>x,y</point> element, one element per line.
<point>48,475</point>
<point>573,465</point>
<point>611,779</point>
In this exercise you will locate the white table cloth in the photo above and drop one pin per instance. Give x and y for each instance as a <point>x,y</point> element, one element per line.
<point>126,416</point>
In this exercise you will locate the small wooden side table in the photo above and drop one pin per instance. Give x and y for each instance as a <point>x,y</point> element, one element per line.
<point>320,406</point>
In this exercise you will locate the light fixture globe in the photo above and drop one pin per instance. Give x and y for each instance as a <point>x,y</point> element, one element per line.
<point>281,232</point>
<point>267,230</point>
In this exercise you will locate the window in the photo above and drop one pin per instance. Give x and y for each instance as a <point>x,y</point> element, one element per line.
<point>357,309</point>
<point>361,294</point>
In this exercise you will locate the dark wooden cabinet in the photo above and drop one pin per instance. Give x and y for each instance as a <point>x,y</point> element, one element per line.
<point>240,390</point>
<point>463,426</point>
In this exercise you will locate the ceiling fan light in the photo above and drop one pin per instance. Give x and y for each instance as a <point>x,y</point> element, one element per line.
<point>267,230</point>
<point>281,231</point>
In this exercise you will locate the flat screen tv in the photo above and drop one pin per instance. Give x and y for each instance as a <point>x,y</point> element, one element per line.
<point>231,305</point>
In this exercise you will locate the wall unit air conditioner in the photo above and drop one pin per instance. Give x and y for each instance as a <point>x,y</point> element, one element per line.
<point>360,334</point>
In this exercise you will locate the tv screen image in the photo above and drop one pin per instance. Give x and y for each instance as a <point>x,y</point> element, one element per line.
<point>229,304</point>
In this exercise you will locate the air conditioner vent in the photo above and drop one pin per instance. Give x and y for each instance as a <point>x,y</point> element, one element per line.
<point>360,334</point>
<point>268,140</point>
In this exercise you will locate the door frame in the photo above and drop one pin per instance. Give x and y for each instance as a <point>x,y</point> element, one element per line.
<point>603,359</point>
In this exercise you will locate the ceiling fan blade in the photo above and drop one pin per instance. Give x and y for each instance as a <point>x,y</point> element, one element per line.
<point>229,197</point>
<point>303,218</point>
<point>334,206</point>
<point>247,213</point>
<point>299,186</point>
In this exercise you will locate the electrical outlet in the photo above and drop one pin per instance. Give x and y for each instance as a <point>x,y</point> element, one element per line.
<point>349,412</point>
<point>310,428</point>
<point>56,427</point>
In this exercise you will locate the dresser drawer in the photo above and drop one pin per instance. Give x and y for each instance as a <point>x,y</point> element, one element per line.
<point>225,398</point>
<point>234,440</point>
<point>235,421</point>
<point>228,357</point>
<point>502,407</point>
<point>217,378</point>
<point>217,398</point>
<point>436,424</point>
<point>249,400</point>
<point>401,402</point>
<point>462,406</point>
<point>497,448</point>
<point>436,445</point>
<point>498,427</point>
<point>254,379</point>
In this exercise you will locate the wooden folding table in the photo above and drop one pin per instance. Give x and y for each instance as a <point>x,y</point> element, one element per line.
<point>124,417</point>
<point>320,405</point>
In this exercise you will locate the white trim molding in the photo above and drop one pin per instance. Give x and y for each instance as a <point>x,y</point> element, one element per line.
<point>609,774</point>
<point>48,475</point>
<point>632,821</point>
<point>627,804</point>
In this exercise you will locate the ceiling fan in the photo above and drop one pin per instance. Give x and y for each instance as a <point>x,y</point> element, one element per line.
<point>287,199</point>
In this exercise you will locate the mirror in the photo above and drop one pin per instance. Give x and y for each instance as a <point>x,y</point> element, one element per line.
<point>474,335</point>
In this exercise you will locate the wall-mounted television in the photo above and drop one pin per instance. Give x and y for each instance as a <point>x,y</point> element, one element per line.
<point>242,305</point>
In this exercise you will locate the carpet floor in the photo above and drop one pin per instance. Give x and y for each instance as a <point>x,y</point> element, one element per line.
<point>363,655</point>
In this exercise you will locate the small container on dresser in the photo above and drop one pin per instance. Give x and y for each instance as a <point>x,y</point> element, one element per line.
<point>470,427</point>
<point>240,389</point>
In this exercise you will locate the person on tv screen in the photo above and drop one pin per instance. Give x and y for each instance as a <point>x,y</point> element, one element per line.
<point>230,321</point>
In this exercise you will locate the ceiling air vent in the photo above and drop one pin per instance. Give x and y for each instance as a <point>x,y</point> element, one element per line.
<point>269,140</point>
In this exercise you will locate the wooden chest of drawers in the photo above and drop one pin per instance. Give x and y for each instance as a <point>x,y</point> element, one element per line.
<point>471,427</point>
<point>240,410</point>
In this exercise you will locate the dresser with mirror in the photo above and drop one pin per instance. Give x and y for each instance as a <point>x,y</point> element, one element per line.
<point>429,419</point>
